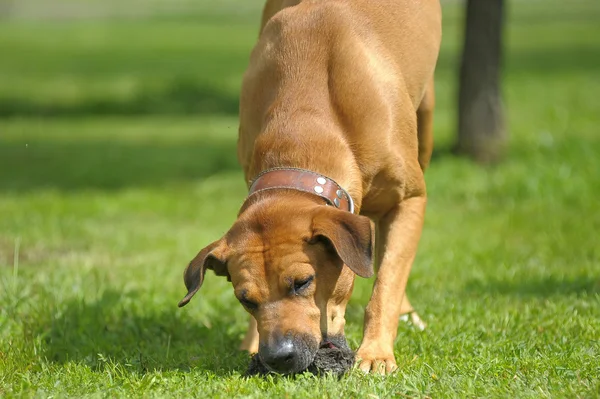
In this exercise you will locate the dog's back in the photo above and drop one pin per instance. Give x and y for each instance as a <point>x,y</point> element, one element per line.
<point>337,73</point>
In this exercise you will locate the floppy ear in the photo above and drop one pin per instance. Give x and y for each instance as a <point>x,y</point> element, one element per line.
<point>351,236</point>
<point>212,257</point>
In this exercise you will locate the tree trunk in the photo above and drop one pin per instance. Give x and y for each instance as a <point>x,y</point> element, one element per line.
<point>481,127</point>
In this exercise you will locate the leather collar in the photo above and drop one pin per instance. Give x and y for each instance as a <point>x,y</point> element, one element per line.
<point>306,181</point>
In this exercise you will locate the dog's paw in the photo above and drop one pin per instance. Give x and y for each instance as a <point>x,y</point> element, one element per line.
<point>413,319</point>
<point>375,361</point>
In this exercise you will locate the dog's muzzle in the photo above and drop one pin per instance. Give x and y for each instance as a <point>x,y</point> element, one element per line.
<point>288,354</point>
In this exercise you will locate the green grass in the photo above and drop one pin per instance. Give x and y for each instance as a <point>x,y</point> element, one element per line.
<point>117,164</point>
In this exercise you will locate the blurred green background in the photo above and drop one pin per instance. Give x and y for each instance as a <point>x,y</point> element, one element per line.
<point>118,125</point>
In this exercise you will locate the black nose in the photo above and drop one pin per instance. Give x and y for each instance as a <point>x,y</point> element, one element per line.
<point>281,356</point>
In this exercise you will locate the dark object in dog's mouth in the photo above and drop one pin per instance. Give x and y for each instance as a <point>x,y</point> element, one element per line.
<point>329,359</point>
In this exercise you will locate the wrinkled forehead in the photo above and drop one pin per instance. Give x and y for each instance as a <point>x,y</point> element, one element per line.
<point>269,252</point>
<point>270,226</point>
<point>268,256</point>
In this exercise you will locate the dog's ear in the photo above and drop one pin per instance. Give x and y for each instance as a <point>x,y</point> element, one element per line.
<point>350,235</point>
<point>213,257</point>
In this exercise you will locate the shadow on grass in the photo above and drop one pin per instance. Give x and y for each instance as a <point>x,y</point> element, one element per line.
<point>115,330</point>
<point>538,287</point>
<point>181,97</point>
<point>107,165</point>
<point>441,153</point>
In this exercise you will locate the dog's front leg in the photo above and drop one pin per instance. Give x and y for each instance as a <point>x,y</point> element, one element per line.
<point>407,312</point>
<point>400,232</point>
<point>250,342</point>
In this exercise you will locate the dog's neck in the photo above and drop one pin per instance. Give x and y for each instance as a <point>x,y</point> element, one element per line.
<point>306,144</point>
<point>306,181</point>
<point>266,198</point>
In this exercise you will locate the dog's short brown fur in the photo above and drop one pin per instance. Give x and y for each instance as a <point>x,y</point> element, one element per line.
<point>345,89</point>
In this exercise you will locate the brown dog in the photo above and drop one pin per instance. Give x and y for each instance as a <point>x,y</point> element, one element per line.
<point>335,132</point>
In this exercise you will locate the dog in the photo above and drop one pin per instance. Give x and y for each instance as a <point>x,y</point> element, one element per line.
<point>335,133</point>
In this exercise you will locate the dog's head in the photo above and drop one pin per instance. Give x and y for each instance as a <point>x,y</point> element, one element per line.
<point>292,265</point>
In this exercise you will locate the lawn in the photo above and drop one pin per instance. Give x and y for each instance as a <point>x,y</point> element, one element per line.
<point>117,164</point>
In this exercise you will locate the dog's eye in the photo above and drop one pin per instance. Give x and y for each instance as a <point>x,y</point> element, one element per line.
<point>323,241</point>
<point>248,304</point>
<point>301,285</point>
